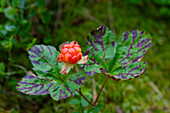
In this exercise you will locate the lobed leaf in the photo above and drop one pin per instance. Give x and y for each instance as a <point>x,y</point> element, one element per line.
<point>117,60</point>
<point>68,88</point>
<point>49,79</point>
<point>61,91</point>
<point>32,85</point>
<point>78,78</point>
<point>44,61</point>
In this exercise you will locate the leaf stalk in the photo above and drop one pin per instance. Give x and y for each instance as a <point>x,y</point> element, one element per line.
<point>100,91</point>
<point>92,104</point>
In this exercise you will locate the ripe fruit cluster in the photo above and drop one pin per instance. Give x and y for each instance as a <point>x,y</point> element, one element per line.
<point>70,53</point>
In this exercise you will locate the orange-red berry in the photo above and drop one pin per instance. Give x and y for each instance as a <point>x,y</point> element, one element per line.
<point>64,51</point>
<point>62,57</point>
<point>67,57</point>
<point>74,59</point>
<point>70,53</point>
<point>71,44</point>
<point>78,49</point>
<point>79,56</point>
<point>65,46</point>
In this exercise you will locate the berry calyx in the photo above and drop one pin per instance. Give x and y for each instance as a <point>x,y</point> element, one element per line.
<point>70,53</point>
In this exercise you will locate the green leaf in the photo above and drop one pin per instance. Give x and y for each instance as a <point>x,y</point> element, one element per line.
<point>22,4</point>
<point>60,91</point>
<point>41,3</point>
<point>26,26</point>
<point>2,3</point>
<point>96,108</point>
<point>44,61</point>
<point>76,112</point>
<point>4,43</point>
<point>84,102</point>
<point>15,3</point>
<point>10,27</point>
<point>24,21</point>
<point>75,76</point>
<point>3,31</point>
<point>2,67</point>
<point>45,65</point>
<point>67,88</point>
<point>8,43</point>
<point>32,85</point>
<point>31,44</point>
<point>10,13</point>
<point>1,10</point>
<point>117,60</point>
<point>74,101</point>
<point>64,90</point>
<point>46,17</point>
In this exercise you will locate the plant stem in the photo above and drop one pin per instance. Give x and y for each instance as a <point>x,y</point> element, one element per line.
<point>75,69</point>
<point>100,91</point>
<point>79,91</point>
<point>62,78</point>
<point>82,110</point>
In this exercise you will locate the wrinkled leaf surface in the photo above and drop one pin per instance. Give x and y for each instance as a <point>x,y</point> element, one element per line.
<point>117,60</point>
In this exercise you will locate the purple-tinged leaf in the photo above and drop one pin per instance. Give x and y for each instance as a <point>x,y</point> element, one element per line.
<point>49,79</point>
<point>80,81</point>
<point>31,85</point>
<point>44,61</point>
<point>78,78</point>
<point>61,92</point>
<point>67,89</point>
<point>117,60</point>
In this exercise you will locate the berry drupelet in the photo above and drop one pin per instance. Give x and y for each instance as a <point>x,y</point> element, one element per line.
<point>70,54</point>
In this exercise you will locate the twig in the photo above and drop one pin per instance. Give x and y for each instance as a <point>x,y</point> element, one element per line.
<point>79,91</point>
<point>100,91</point>
<point>75,69</point>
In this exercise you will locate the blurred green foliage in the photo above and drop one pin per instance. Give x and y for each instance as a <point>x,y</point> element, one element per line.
<point>24,23</point>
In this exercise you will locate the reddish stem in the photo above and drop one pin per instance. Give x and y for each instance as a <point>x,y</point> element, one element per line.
<point>75,69</point>
<point>100,91</point>
<point>79,91</point>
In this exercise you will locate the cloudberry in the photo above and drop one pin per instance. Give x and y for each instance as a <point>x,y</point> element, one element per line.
<point>70,53</point>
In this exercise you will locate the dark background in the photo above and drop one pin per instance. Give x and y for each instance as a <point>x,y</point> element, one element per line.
<point>24,23</point>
